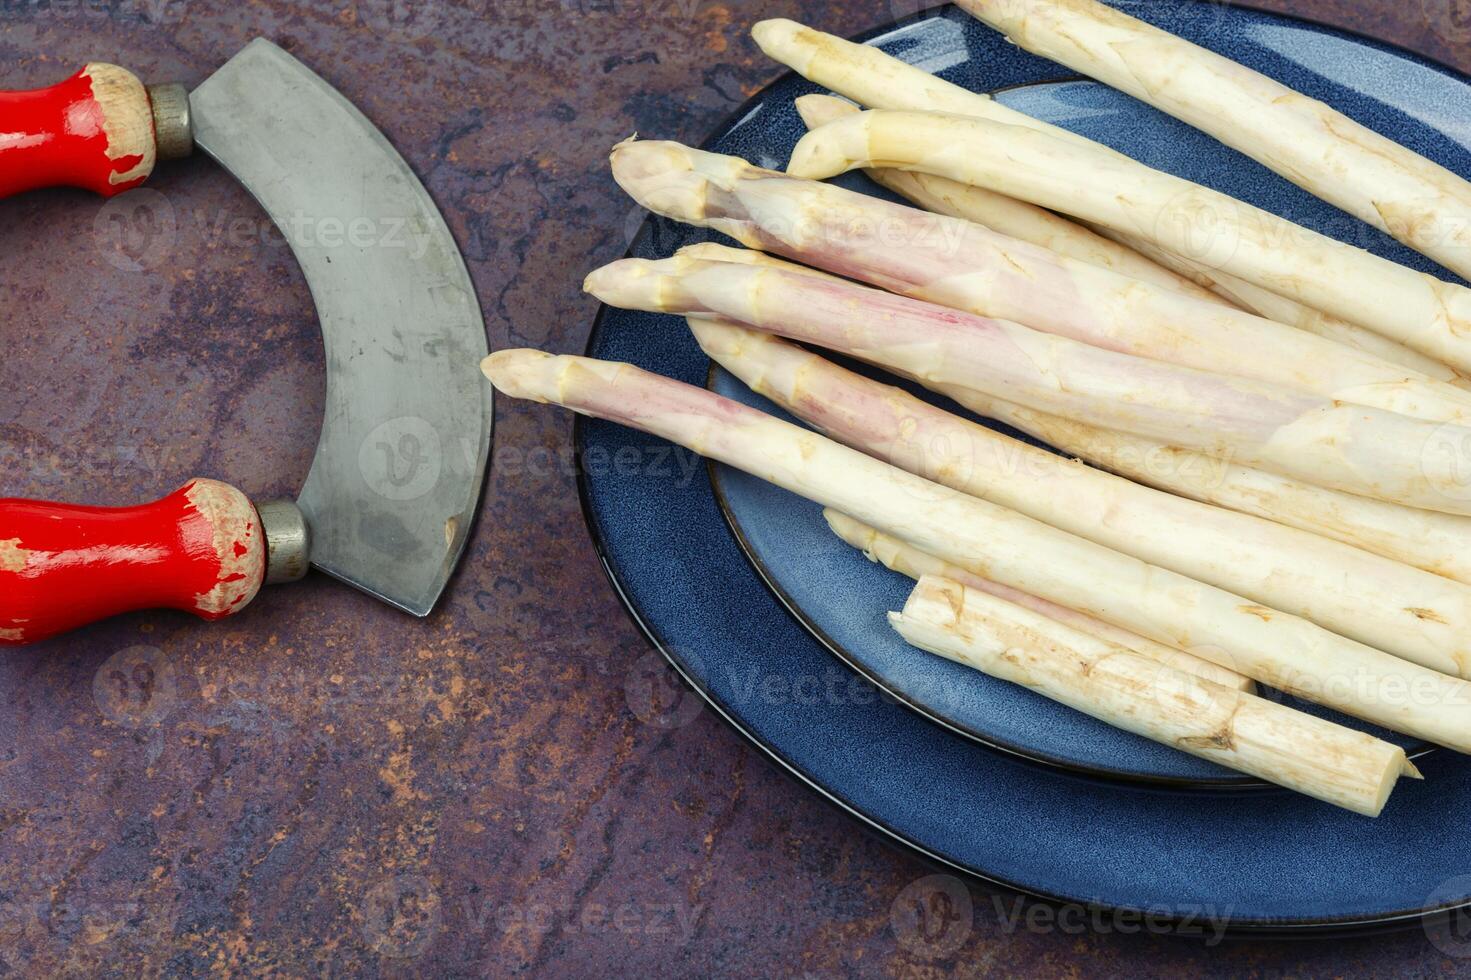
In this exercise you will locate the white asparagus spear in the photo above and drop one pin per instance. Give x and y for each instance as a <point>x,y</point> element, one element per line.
<point>1127,255</point>
<point>1439,543</point>
<point>1007,215</point>
<point>1271,647</point>
<point>1389,186</point>
<point>1400,609</point>
<point>1113,684</point>
<point>869,77</point>
<point>960,264</point>
<point>1426,313</point>
<point>908,560</point>
<point>1353,448</point>
<point>865,74</point>
<point>1274,306</point>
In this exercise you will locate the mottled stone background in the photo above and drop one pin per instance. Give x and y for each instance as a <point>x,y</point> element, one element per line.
<point>321,786</point>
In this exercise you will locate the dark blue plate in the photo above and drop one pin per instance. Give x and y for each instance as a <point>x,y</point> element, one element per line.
<point>841,597</point>
<point>1263,859</point>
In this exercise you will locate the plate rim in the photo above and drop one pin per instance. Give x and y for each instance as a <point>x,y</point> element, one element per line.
<point>1229,783</point>
<point>1319,927</point>
<point>891,837</point>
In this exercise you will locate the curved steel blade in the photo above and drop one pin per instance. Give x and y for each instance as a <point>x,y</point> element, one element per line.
<point>406,438</point>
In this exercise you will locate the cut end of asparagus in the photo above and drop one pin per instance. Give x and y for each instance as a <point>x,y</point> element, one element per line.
<point>1108,681</point>
<point>829,150</point>
<point>1411,770</point>
<point>819,110</point>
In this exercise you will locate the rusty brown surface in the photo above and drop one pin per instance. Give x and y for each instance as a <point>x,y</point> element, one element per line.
<point>322,786</point>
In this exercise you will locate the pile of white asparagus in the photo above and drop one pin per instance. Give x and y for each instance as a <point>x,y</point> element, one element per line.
<point>1266,476</point>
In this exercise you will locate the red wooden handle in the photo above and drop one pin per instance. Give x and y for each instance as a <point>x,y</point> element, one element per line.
<point>94,131</point>
<point>200,550</point>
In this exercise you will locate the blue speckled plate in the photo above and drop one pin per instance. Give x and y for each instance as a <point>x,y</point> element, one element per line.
<point>1264,859</point>
<point>841,597</point>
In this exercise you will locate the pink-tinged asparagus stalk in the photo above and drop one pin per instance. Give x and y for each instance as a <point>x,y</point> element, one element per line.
<point>960,264</point>
<point>1426,313</point>
<point>1116,685</point>
<point>1274,648</point>
<point>1400,609</point>
<point>908,560</point>
<point>867,75</point>
<point>1349,447</point>
<point>1126,255</point>
<point>1008,216</point>
<point>1438,543</point>
<point>1421,203</point>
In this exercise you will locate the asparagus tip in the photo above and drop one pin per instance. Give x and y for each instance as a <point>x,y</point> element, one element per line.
<point>662,177</point>
<point>852,532</point>
<point>716,337</point>
<point>773,31</point>
<point>521,373</point>
<point>819,155</point>
<point>819,110</point>
<point>630,284</point>
<point>716,252</point>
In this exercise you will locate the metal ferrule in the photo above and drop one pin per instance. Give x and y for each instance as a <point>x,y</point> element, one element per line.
<point>288,542</point>
<point>173,131</point>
